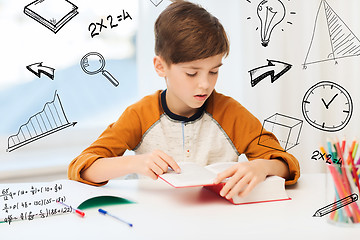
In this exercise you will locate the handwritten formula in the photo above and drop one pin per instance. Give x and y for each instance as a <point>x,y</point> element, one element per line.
<point>30,201</point>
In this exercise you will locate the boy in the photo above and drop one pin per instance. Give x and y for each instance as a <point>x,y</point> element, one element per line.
<point>189,121</point>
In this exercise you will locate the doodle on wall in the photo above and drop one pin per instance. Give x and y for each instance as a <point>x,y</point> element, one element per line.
<point>93,63</point>
<point>286,129</point>
<point>38,68</point>
<point>269,13</point>
<point>274,69</point>
<point>336,205</point>
<point>96,28</point>
<point>156,2</point>
<point>53,14</point>
<point>333,36</point>
<point>327,106</point>
<point>51,119</point>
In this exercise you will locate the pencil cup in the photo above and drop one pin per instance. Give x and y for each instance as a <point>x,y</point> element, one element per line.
<point>342,195</point>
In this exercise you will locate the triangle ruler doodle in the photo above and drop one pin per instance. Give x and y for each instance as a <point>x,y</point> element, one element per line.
<point>331,38</point>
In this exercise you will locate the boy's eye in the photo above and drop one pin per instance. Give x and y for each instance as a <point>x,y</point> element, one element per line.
<point>214,73</point>
<point>191,74</point>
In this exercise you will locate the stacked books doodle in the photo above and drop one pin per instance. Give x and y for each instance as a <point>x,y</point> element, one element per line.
<point>53,14</point>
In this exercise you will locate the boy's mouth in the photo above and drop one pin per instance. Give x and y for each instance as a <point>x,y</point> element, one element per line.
<point>200,97</point>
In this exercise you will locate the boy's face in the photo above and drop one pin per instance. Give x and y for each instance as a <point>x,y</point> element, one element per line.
<point>189,84</point>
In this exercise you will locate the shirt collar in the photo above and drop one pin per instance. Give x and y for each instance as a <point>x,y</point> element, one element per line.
<point>176,117</point>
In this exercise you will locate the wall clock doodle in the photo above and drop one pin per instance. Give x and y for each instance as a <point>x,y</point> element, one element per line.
<point>327,106</point>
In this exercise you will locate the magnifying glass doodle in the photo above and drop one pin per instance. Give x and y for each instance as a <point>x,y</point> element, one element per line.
<point>93,63</point>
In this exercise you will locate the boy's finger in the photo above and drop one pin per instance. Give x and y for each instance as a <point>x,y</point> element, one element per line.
<point>230,184</point>
<point>170,161</point>
<point>156,169</point>
<point>250,187</point>
<point>240,185</point>
<point>161,163</point>
<point>224,174</point>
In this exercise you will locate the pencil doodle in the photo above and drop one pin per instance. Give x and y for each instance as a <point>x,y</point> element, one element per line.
<point>53,14</point>
<point>111,21</point>
<point>286,129</point>
<point>156,2</point>
<point>336,205</point>
<point>333,101</point>
<point>274,69</point>
<point>332,34</point>
<point>38,68</point>
<point>93,63</point>
<point>270,14</point>
<point>49,120</point>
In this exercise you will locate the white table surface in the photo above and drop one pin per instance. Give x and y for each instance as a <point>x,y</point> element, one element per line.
<point>163,212</point>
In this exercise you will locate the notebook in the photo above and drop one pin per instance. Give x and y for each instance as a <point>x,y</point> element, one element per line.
<point>53,14</point>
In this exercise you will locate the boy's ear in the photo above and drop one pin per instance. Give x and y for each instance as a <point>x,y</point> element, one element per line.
<point>159,65</point>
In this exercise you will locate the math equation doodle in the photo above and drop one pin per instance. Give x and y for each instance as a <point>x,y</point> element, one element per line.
<point>31,201</point>
<point>28,201</point>
<point>96,28</point>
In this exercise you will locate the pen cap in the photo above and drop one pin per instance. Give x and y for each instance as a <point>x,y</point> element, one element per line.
<point>102,211</point>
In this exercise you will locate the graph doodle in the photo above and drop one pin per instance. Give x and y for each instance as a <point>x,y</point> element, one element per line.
<point>274,69</point>
<point>38,68</point>
<point>331,34</point>
<point>49,120</point>
<point>53,14</point>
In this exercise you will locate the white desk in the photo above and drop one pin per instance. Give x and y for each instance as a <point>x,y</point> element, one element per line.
<point>163,212</point>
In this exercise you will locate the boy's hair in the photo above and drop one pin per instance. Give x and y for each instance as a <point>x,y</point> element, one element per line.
<point>186,32</point>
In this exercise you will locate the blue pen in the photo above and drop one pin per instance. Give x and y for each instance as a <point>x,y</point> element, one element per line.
<point>107,213</point>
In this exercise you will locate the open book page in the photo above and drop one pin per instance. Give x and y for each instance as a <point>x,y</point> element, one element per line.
<point>272,189</point>
<point>25,201</point>
<point>220,167</point>
<point>191,175</point>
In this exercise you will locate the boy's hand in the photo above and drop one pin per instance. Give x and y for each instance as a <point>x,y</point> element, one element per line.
<point>154,163</point>
<point>241,174</point>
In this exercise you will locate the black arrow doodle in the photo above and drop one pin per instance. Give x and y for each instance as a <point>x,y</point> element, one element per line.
<point>274,69</point>
<point>38,68</point>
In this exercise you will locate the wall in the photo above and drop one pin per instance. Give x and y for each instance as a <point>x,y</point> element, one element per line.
<point>289,42</point>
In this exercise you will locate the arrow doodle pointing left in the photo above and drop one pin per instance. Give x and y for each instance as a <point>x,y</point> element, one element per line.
<point>38,68</point>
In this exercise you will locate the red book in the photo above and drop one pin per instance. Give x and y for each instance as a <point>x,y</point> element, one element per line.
<point>194,175</point>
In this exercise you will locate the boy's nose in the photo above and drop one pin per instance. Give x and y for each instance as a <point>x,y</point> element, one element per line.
<point>204,83</point>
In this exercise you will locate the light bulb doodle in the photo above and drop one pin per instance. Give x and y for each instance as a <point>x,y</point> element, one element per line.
<point>270,13</point>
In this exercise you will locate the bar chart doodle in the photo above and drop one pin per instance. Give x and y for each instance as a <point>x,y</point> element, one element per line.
<point>331,34</point>
<point>49,120</point>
